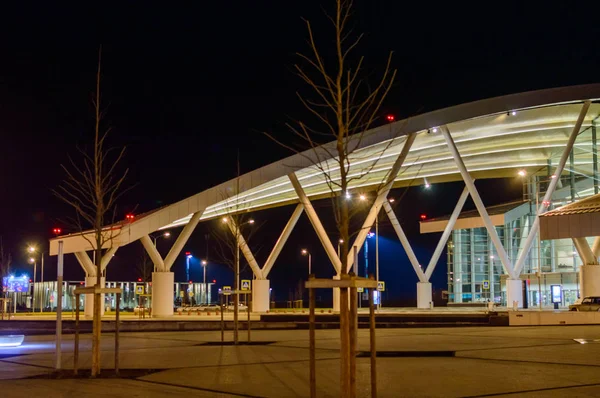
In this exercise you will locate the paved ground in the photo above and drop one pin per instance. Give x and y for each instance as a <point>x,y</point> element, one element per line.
<point>501,361</point>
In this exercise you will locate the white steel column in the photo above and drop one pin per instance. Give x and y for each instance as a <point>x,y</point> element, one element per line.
<point>163,294</point>
<point>400,232</point>
<point>182,240</point>
<point>285,234</point>
<point>548,196</point>
<point>514,292</point>
<point>477,200</point>
<point>88,300</point>
<point>586,254</point>
<point>154,255</point>
<point>596,247</point>
<point>261,295</point>
<point>316,223</point>
<point>381,197</point>
<point>86,263</point>
<point>108,255</point>
<point>244,248</point>
<point>424,295</point>
<point>446,234</point>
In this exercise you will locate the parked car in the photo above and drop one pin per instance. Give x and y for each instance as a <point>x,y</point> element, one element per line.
<point>242,307</point>
<point>587,304</point>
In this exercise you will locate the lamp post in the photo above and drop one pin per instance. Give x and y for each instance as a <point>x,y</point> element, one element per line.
<point>33,261</point>
<point>32,250</point>
<point>166,234</point>
<point>188,256</point>
<point>304,253</point>
<point>339,246</point>
<point>204,264</point>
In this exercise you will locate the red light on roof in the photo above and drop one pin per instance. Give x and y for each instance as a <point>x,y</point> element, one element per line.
<point>139,279</point>
<point>56,231</point>
<point>423,216</point>
<point>214,281</point>
<point>129,216</point>
<point>190,282</point>
<point>188,253</point>
<point>390,118</point>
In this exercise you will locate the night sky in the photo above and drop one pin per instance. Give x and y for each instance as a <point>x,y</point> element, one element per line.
<point>187,85</point>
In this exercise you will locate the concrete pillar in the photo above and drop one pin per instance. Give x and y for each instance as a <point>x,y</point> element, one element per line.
<point>424,296</point>
<point>261,295</point>
<point>514,292</point>
<point>336,296</point>
<point>589,280</point>
<point>162,293</point>
<point>88,301</point>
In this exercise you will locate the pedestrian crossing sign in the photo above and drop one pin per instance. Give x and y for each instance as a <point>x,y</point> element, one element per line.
<point>381,286</point>
<point>360,289</point>
<point>245,284</point>
<point>139,289</point>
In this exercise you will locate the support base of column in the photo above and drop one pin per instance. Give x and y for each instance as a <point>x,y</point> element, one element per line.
<point>589,279</point>
<point>163,293</point>
<point>514,292</point>
<point>88,299</point>
<point>424,296</point>
<point>261,295</point>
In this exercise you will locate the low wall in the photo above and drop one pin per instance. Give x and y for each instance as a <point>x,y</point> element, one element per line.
<point>536,318</point>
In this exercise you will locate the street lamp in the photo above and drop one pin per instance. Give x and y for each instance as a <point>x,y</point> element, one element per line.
<point>339,244</point>
<point>32,260</point>
<point>188,255</point>
<point>166,234</point>
<point>204,264</point>
<point>304,253</point>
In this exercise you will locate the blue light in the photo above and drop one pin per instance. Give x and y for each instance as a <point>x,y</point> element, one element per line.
<point>370,234</point>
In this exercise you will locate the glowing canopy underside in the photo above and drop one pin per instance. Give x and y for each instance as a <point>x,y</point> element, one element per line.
<point>495,137</point>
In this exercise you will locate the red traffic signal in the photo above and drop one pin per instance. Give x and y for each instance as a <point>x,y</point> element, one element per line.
<point>390,118</point>
<point>423,216</point>
<point>56,231</point>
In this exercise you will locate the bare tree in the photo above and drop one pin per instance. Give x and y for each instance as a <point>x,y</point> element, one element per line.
<point>235,225</point>
<point>5,261</point>
<point>345,105</point>
<point>144,266</point>
<point>92,187</point>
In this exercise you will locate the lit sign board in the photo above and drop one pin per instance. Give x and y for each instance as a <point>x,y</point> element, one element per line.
<point>15,284</point>
<point>556,293</point>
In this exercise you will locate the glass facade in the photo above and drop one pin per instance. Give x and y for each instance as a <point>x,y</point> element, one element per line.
<point>46,293</point>
<point>475,273</point>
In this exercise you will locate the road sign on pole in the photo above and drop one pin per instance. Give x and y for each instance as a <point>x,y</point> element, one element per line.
<point>245,284</point>
<point>226,289</point>
<point>360,289</point>
<point>181,293</point>
<point>139,289</point>
<point>486,285</point>
<point>191,293</point>
<point>381,286</point>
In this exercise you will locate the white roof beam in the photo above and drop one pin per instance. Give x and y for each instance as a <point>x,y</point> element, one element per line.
<point>285,234</point>
<point>181,240</point>
<point>154,255</point>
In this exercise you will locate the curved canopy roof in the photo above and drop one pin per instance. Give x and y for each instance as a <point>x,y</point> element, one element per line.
<point>495,138</point>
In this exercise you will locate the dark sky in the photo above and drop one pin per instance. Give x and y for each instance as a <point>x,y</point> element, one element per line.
<point>191,83</point>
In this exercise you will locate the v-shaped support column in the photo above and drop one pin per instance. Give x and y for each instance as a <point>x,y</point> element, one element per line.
<point>261,285</point>
<point>163,280</point>
<point>382,194</point>
<point>91,276</point>
<point>424,290</point>
<point>316,223</point>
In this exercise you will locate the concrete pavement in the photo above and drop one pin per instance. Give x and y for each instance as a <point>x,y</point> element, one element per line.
<point>482,361</point>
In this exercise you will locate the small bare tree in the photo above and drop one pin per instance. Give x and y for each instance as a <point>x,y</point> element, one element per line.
<point>92,187</point>
<point>234,225</point>
<point>5,261</point>
<point>345,105</point>
<point>144,266</point>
